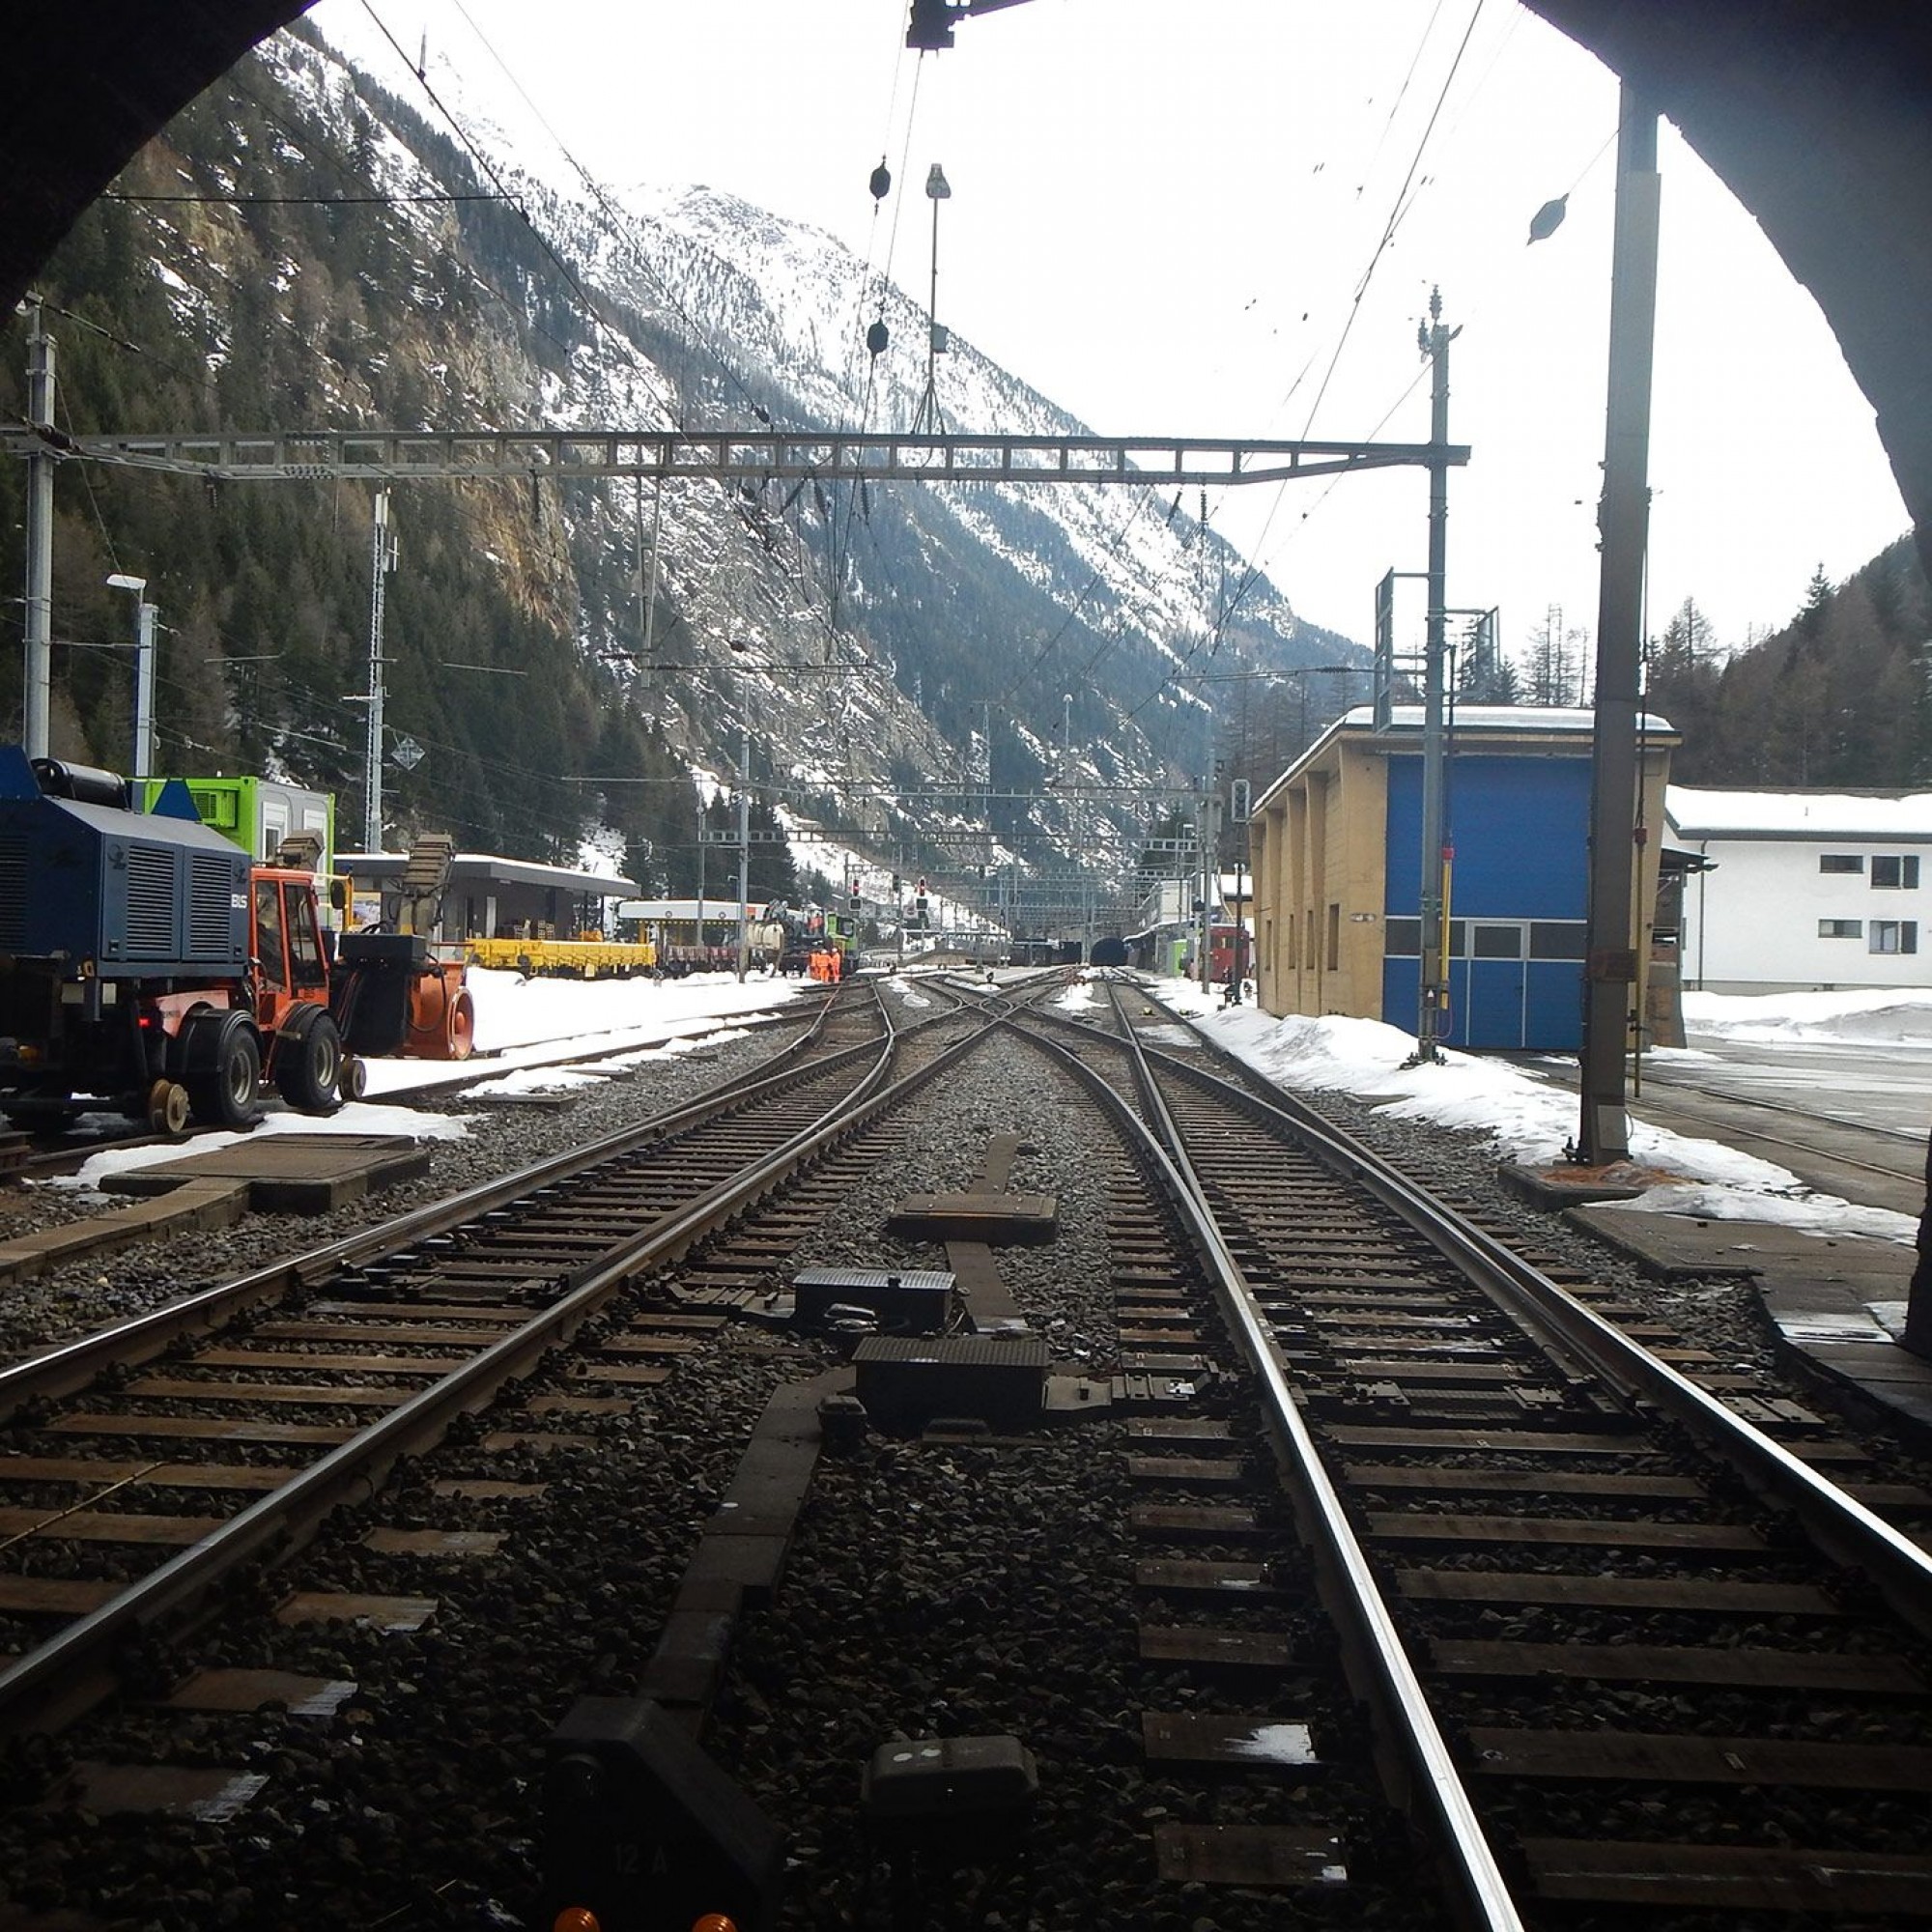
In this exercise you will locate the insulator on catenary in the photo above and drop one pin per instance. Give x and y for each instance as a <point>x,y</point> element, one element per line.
<point>881,182</point>
<point>877,336</point>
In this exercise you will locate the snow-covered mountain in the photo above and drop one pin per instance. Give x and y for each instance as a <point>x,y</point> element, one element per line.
<point>980,672</point>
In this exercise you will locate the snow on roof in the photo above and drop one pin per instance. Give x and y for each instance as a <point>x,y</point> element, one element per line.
<point>1522,720</point>
<point>1695,813</point>
<point>371,867</point>
<point>1508,718</point>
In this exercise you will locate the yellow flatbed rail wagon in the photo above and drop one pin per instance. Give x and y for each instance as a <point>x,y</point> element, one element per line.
<point>564,959</point>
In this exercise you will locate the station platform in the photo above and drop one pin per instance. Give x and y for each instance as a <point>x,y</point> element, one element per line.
<point>1836,1302</point>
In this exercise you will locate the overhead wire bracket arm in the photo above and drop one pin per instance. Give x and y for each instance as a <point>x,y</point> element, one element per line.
<point>397,456</point>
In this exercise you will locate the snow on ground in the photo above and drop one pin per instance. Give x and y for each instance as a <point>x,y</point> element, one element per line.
<point>520,1026</point>
<point>1532,1120</point>
<point>520,1022</point>
<point>1870,1014</point>
<point>512,1010</point>
<point>363,1117</point>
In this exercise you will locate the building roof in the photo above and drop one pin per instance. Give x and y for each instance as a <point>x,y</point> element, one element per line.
<point>488,867</point>
<point>1489,724</point>
<point>716,906</point>
<point>1695,813</point>
<point>1517,720</point>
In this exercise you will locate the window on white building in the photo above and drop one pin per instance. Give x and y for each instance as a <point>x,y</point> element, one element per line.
<point>1840,862</point>
<point>1841,928</point>
<point>1890,869</point>
<point>1894,935</point>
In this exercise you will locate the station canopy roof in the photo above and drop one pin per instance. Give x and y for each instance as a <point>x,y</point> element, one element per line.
<point>723,906</point>
<point>486,868</point>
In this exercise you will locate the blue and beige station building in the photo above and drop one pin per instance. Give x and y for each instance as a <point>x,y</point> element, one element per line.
<point>1336,848</point>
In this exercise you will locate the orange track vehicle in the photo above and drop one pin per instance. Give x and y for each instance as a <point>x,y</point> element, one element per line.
<point>392,993</point>
<point>147,967</point>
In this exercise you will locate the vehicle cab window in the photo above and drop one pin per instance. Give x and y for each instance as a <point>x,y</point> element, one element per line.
<point>308,969</point>
<point>268,934</point>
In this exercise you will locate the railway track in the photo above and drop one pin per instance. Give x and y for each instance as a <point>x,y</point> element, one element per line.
<point>25,1155</point>
<point>1605,1670</point>
<point>356,1354</point>
<point>1642,1593</point>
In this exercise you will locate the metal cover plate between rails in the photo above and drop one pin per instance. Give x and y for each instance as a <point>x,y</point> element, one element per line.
<point>1730,1878</point>
<point>1699,1760</point>
<point>1237,1743</point>
<point>1258,1856</point>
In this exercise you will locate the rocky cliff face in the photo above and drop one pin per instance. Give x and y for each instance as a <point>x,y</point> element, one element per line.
<point>911,663</point>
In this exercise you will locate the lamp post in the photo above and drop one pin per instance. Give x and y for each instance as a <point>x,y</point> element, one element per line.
<point>382,561</point>
<point>743,851</point>
<point>145,615</point>
<point>925,419</point>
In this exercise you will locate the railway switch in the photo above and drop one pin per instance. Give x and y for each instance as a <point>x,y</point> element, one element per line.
<point>906,1302</point>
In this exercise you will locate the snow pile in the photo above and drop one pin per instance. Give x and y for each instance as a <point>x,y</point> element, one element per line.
<point>1531,1120</point>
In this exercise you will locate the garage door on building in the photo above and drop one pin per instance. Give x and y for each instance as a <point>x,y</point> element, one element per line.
<point>1512,982</point>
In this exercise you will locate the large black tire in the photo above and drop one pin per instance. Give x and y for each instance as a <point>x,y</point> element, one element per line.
<point>223,1069</point>
<point>308,1063</point>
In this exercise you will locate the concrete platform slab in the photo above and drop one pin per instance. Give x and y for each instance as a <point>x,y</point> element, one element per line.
<point>194,1206</point>
<point>1834,1300</point>
<point>1560,1187</point>
<point>1681,1247</point>
<point>292,1173</point>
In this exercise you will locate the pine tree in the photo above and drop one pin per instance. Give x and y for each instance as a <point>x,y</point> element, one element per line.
<point>1682,686</point>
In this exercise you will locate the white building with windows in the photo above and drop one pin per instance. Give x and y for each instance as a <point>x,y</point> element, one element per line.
<point>1804,889</point>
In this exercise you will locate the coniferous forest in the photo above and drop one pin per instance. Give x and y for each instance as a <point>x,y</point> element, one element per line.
<point>1836,698</point>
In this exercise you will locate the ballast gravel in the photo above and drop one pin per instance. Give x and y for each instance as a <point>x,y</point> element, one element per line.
<point>414,1803</point>
<point>496,1140</point>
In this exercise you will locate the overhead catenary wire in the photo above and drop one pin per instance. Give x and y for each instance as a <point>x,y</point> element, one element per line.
<point>305,138</point>
<point>1484,304</point>
<point>620,226</point>
<point>839,548</point>
<point>305,200</point>
<point>1262,560</point>
<point>1388,227</point>
<point>1231,604</point>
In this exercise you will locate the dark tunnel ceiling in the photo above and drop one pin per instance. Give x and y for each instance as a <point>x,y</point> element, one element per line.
<point>1816,113</point>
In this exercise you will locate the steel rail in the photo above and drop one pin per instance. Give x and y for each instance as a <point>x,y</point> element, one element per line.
<point>1423,1770</point>
<point>70,1366</point>
<point>1840,1525</point>
<point>480,1069</point>
<point>43,1681</point>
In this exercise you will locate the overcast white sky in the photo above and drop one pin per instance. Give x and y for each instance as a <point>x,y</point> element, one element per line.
<point>1163,211</point>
